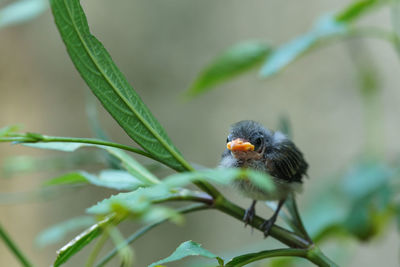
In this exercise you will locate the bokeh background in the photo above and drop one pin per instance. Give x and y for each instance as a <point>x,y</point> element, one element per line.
<point>161,46</point>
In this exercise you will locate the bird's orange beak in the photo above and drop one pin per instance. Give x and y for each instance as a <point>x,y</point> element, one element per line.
<point>239,145</point>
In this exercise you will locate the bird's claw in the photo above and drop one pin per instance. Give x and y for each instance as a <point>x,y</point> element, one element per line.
<point>266,226</point>
<point>249,216</point>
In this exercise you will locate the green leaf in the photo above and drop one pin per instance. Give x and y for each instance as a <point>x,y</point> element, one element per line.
<point>139,201</point>
<point>110,86</point>
<point>59,231</point>
<point>62,146</point>
<point>114,179</point>
<point>21,11</point>
<point>325,27</point>
<point>221,176</point>
<point>80,241</point>
<point>188,248</point>
<point>8,130</point>
<point>235,60</point>
<point>128,162</point>
<point>358,8</point>
<point>67,179</point>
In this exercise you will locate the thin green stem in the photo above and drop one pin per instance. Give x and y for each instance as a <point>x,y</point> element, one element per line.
<point>14,248</point>
<point>294,212</point>
<point>49,139</point>
<point>315,255</point>
<point>312,254</point>
<point>125,253</point>
<point>145,229</point>
<point>359,32</point>
<point>97,248</point>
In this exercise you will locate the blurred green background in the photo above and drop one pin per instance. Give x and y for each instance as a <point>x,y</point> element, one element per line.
<point>161,46</point>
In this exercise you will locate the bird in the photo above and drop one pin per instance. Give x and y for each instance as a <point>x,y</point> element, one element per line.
<point>250,145</point>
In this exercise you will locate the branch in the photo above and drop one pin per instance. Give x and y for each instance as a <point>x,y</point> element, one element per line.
<point>313,254</point>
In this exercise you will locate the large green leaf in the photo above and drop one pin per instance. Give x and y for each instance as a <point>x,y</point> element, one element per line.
<point>22,11</point>
<point>110,86</point>
<point>233,61</point>
<point>188,248</point>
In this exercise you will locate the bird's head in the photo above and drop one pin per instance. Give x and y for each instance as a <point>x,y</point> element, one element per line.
<point>248,140</point>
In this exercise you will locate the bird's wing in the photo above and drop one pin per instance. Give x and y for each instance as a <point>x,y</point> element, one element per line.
<point>285,161</point>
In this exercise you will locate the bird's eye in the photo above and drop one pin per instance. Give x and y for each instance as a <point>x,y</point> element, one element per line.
<point>257,143</point>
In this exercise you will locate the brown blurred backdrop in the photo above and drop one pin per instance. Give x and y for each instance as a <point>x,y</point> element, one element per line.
<point>161,46</point>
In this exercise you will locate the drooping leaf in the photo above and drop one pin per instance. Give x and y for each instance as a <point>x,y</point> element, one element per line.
<point>129,163</point>
<point>58,232</point>
<point>21,11</point>
<point>110,86</point>
<point>235,60</point>
<point>61,146</point>
<point>80,241</point>
<point>188,248</point>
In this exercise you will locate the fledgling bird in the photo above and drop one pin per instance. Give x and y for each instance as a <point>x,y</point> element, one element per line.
<point>250,145</point>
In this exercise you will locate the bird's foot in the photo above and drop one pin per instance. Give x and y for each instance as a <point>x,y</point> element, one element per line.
<point>249,216</point>
<point>266,226</point>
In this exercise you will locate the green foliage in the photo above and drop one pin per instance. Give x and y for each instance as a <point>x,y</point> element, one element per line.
<point>326,28</point>
<point>126,161</point>
<point>114,179</point>
<point>110,86</point>
<point>81,240</point>
<point>188,248</point>
<point>234,61</point>
<point>360,204</point>
<point>58,232</point>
